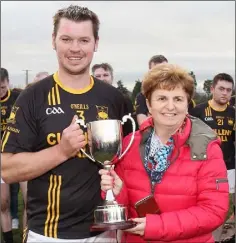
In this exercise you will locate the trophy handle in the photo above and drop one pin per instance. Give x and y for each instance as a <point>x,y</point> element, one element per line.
<point>81,123</point>
<point>124,119</point>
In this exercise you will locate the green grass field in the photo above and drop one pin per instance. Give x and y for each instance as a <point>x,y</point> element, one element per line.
<point>18,233</point>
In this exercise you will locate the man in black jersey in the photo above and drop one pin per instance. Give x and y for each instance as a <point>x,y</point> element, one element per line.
<point>141,109</point>
<point>104,72</point>
<point>232,100</point>
<point>7,99</point>
<point>220,116</point>
<point>42,143</point>
<point>9,193</point>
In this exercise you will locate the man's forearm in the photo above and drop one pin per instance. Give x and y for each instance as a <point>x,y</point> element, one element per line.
<point>27,166</point>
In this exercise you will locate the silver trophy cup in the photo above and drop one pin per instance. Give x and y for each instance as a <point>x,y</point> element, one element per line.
<point>105,147</point>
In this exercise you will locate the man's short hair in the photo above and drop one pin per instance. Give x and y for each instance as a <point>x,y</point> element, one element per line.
<point>157,59</point>
<point>77,14</point>
<point>4,74</point>
<point>105,66</point>
<point>222,76</point>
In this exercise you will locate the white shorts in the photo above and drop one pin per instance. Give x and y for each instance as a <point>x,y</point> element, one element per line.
<point>231,179</point>
<point>106,237</point>
<point>2,181</point>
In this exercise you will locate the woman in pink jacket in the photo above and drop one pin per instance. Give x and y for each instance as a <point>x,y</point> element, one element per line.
<point>173,178</point>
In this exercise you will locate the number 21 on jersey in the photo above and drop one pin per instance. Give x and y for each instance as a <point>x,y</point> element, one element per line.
<point>220,122</point>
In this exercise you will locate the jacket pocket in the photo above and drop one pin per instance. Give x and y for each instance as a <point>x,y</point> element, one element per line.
<point>222,184</point>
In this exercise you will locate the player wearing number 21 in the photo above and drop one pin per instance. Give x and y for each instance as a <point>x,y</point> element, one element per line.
<point>220,116</point>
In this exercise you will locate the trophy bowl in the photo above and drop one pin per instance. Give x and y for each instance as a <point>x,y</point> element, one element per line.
<point>105,147</point>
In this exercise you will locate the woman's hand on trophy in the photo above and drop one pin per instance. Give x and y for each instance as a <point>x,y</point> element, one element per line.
<point>72,140</point>
<point>139,229</point>
<point>110,180</point>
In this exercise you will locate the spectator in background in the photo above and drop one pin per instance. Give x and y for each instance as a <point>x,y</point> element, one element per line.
<point>104,72</point>
<point>141,109</point>
<point>39,76</point>
<point>220,116</point>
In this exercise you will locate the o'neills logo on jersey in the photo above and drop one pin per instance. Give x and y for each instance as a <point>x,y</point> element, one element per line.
<point>208,118</point>
<point>54,111</point>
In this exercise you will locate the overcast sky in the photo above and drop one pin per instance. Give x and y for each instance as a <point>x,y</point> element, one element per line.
<point>199,36</point>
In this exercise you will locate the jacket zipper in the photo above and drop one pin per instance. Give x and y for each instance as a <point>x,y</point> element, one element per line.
<point>221,180</point>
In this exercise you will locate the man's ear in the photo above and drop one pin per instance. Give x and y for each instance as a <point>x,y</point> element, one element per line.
<point>96,44</point>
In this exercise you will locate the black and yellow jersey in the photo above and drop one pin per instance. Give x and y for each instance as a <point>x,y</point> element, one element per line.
<point>61,202</point>
<point>6,104</point>
<point>232,101</point>
<point>191,105</point>
<point>141,106</point>
<point>223,123</point>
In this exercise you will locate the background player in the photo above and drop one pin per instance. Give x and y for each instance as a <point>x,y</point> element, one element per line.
<point>220,116</point>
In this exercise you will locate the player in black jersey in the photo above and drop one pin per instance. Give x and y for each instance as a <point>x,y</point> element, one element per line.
<point>104,72</point>
<point>7,99</point>
<point>191,105</point>
<point>220,116</point>
<point>232,100</point>
<point>141,109</point>
<point>9,193</point>
<point>42,142</point>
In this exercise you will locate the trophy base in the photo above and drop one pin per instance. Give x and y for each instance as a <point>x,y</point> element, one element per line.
<point>112,226</point>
